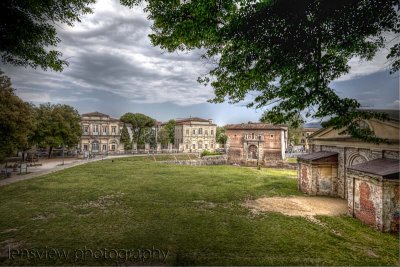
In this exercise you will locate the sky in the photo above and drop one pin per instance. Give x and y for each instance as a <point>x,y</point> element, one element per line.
<point>114,69</point>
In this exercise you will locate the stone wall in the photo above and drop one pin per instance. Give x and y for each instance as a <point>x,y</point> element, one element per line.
<point>374,200</point>
<point>206,160</point>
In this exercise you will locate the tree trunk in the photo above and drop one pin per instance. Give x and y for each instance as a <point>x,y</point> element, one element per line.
<point>50,150</point>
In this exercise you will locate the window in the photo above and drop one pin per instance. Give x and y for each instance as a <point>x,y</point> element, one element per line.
<point>95,128</point>
<point>104,147</point>
<point>104,129</point>
<point>212,132</point>
<point>212,145</point>
<point>200,145</point>
<point>252,136</point>
<point>95,146</point>
<point>85,129</point>
<point>194,131</point>
<point>205,146</point>
<point>194,146</point>
<point>85,147</point>
<point>201,131</point>
<point>113,147</point>
<point>113,129</point>
<point>206,132</point>
<point>187,146</point>
<point>187,131</point>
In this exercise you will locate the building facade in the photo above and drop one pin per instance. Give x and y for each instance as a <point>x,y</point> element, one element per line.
<point>305,133</point>
<point>195,135</point>
<point>256,143</point>
<point>365,174</point>
<point>100,134</point>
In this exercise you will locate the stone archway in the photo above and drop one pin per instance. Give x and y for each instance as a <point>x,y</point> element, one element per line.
<point>252,152</point>
<point>356,159</point>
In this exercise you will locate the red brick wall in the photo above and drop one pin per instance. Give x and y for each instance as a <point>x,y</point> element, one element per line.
<point>271,144</point>
<point>367,212</point>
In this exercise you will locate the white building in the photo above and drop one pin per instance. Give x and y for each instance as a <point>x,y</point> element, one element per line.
<point>195,135</point>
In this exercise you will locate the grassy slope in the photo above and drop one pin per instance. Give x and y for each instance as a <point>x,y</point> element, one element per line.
<point>194,212</point>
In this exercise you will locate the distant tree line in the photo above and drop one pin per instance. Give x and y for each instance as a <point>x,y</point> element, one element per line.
<point>24,125</point>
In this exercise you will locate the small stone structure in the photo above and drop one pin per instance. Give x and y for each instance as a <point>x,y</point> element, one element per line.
<point>146,148</point>
<point>374,193</point>
<point>367,174</point>
<point>255,144</point>
<point>134,148</point>
<point>318,173</point>
<point>158,149</point>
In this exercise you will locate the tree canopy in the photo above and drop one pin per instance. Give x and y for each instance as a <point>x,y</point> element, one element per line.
<point>170,130</point>
<point>57,125</point>
<point>28,30</point>
<point>221,137</point>
<point>140,124</point>
<point>285,52</point>
<point>17,120</point>
<point>125,138</point>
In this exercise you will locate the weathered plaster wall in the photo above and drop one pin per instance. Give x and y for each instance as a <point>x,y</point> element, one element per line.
<point>373,200</point>
<point>318,179</point>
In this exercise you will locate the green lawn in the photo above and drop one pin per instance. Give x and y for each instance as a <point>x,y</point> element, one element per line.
<point>291,160</point>
<point>194,213</point>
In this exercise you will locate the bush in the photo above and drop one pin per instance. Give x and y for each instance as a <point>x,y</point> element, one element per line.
<point>209,153</point>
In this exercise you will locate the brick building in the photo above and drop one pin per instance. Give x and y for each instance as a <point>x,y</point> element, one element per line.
<point>361,167</point>
<point>256,143</point>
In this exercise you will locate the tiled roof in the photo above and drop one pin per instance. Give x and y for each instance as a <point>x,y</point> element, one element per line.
<point>318,155</point>
<point>388,168</point>
<point>255,126</point>
<point>190,120</point>
<point>95,114</point>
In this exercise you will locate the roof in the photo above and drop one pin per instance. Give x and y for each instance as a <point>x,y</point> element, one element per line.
<point>318,155</point>
<point>393,114</point>
<point>255,126</point>
<point>309,129</point>
<point>94,114</point>
<point>192,119</point>
<point>388,168</point>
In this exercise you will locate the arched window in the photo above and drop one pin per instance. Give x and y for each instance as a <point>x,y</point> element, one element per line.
<point>200,145</point>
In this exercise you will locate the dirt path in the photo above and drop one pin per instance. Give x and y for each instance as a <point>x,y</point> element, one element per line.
<point>299,206</point>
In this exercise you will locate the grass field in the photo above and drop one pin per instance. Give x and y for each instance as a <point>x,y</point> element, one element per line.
<point>135,206</point>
